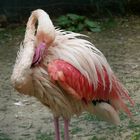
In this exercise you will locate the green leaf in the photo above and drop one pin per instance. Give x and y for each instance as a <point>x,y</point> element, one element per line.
<point>90,23</point>
<point>72,28</point>
<point>62,18</point>
<point>135,136</point>
<point>63,21</point>
<point>74,17</point>
<point>80,27</point>
<point>98,29</point>
<point>77,23</point>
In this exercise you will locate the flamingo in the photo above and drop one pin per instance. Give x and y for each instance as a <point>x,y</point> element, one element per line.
<point>67,73</point>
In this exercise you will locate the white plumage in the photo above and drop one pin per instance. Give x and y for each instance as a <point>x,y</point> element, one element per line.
<point>77,54</point>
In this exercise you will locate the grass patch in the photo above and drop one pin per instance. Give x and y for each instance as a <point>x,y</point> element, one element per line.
<point>44,136</point>
<point>90,117</point>
<point>62,132</point>
<point>4,136</point>
<point>133,126</point>
<point>96,138</point>
<point>8,33</point>
<point>75,130</point>
<point>122,116</point>
<point>136,135</point>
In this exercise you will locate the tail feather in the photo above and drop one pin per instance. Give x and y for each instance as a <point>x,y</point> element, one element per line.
<point>120,105</point>
<point>124,93</point>
<point>119,93</point>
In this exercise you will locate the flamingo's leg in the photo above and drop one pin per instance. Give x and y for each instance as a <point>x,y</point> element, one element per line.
<point>56,125</point>
<point>66,129</point>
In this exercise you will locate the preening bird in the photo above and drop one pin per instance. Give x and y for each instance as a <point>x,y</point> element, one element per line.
<point>67,73</point>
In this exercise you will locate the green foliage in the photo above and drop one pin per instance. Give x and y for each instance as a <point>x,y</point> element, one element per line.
<point>4,136</point>
<point>43,136</point>
<point>8,33</point>
<point>135,136</point>
<point>75,130</point>
<point>96,138</point>
<point>133,126</point>
<point>90,117</point>
<point>77,23</point>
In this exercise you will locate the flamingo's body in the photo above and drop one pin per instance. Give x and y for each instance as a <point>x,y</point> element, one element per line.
<point>66,73</point>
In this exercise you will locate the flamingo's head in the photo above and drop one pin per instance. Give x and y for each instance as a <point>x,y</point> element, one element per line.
<point>44,32</point>
<point>39,53</point>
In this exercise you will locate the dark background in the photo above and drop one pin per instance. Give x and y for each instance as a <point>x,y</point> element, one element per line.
<point>17,10</point>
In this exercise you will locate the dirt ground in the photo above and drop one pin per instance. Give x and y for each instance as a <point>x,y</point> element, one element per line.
<point>24,118</point>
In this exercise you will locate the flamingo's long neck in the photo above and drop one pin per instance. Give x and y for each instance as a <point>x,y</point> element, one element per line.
<point>45,33</point>
<point>22,75</point>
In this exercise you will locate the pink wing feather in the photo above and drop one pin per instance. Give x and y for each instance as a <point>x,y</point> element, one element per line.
<point>77,84</point>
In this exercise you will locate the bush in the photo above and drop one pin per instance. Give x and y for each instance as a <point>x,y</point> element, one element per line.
<point>73,22</point>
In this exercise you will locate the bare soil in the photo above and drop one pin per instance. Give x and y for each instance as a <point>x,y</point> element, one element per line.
<point>25,118</point>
